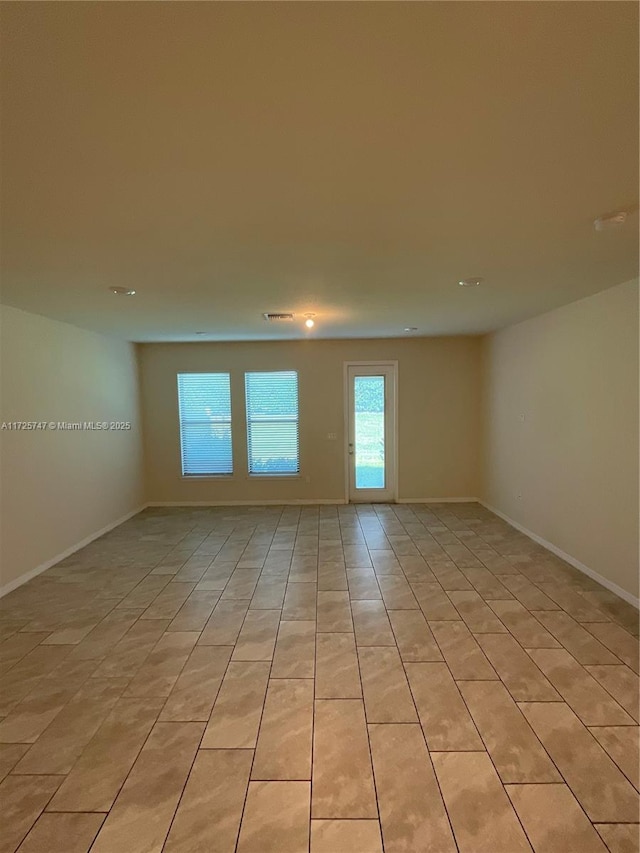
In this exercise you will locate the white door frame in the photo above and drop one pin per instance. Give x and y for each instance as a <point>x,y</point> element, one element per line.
<point>393,485</point>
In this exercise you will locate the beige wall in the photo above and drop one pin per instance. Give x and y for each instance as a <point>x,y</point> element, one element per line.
<point>573,460</point>
<point>57,488</point>
<point>438,414</point>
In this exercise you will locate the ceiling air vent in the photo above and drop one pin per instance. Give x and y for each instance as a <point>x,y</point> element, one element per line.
<point>278,317</point>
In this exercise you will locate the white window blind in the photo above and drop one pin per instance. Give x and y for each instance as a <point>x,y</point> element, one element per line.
<point>272,422</point>
<point>204,402</point>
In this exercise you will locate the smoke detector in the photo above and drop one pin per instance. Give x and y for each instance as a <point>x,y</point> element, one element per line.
<point>610,221</point>
<point>278,317</point>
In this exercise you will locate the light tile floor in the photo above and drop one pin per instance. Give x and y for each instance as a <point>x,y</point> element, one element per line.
<point>279,680</point>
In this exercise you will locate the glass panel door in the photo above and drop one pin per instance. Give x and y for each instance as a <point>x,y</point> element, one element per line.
<point>371,433</point>
<point>368,394</point>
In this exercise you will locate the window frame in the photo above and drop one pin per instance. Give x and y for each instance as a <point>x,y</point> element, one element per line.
<point>223,475</point>
<point>275,475</point>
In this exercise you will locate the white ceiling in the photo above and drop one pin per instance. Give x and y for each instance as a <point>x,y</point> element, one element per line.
<point>350,159</point>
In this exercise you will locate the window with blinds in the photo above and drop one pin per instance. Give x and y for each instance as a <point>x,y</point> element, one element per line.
<point>272,422</point>
<point>204,402</point>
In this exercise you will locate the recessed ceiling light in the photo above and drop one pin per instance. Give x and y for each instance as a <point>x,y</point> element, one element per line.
<point>474,281</point>
<point>411,329</point>
<point>610,221</point>
<point>122,291</point>
<point>309,321</point>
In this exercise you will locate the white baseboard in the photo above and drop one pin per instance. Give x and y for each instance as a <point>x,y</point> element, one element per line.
<point>27,576</point>
<point>437,500</point>
<point>308,502</point>
<point>605,582</point>
<point>290,502</point>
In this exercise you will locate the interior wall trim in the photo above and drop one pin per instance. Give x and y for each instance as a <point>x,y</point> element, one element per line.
<point>437,500</point>
<point>596,576</point>
<point>32,573</point>
<point>290,502</point>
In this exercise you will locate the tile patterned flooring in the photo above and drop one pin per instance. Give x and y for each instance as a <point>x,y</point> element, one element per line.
<point>334,678</point>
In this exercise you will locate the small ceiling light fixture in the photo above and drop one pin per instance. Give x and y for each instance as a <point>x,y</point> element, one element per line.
<point>201,333</point>
<point>122,291</point>
<point>474,281</point>
<point>610,221</point>
<point>309,321</point>
<point>411,329</point>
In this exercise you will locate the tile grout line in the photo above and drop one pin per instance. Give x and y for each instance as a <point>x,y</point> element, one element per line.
<point>389,522</point>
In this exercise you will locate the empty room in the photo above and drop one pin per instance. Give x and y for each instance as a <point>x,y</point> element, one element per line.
<point>319,431</point>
